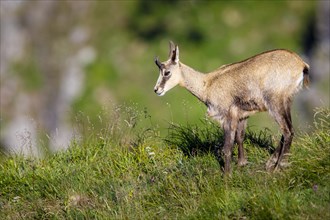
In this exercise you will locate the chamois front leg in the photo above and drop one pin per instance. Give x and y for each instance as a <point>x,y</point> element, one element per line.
<point>230,127</point>
<point>240,133</point>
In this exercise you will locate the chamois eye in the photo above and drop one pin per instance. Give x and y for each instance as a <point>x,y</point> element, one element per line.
<point>167,73</point>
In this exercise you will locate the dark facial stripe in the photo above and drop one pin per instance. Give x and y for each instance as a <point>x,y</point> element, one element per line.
<point>163,82</point>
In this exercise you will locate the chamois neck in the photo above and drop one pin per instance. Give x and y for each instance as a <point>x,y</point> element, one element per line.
<point>193,81</point>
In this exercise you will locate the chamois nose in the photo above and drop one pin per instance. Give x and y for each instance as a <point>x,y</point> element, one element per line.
<point>155,89</point>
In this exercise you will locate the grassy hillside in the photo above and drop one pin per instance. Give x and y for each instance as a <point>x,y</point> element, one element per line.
<point>123,171</point>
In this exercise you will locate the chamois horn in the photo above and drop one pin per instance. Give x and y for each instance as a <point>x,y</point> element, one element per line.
<point>158,63</point>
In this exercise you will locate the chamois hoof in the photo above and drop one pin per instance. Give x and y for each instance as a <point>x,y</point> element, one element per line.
<point>285,164</point>
<point>273,164</point>
<point>242,163</point>
<point>282,165</point>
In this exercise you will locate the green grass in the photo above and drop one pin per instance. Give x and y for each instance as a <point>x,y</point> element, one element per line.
<point>125,172</point>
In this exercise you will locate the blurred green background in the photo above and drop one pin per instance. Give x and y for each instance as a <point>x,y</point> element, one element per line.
<point>64,58</point>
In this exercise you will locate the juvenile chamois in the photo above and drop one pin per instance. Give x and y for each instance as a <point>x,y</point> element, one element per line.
<point>233,92</point>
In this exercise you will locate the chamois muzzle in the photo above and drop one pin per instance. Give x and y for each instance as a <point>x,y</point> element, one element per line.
<point>159,91</point>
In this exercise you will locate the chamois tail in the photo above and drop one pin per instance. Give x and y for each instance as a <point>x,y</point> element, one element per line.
<point>306,75</point>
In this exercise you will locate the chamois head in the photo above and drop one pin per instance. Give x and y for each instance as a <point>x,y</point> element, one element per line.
<point>169,71</point>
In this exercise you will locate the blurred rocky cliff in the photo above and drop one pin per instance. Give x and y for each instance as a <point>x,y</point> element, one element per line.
<point>44,49</point>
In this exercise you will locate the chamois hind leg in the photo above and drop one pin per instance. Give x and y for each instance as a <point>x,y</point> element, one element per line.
<point>283,157</point>
<point>240,133</point>
<point>283,118</point>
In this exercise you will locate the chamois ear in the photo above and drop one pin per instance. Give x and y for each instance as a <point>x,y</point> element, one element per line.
<point>174,52</point>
